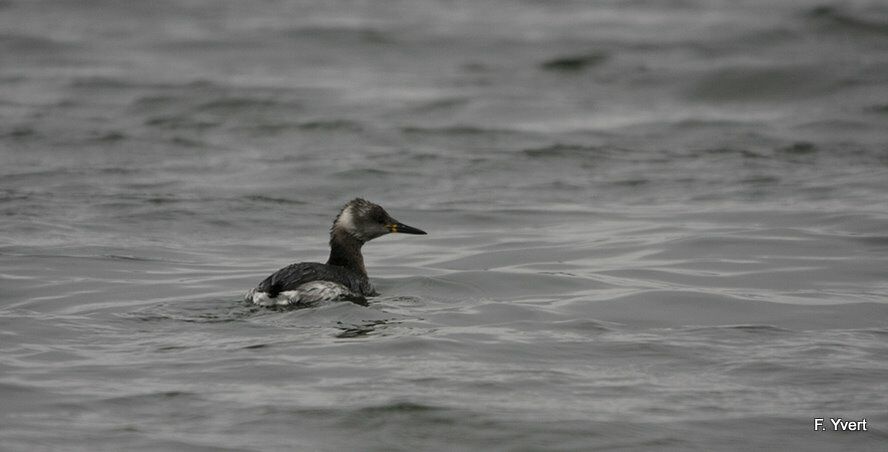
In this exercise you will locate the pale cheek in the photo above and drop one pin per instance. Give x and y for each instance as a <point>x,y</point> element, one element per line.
<point>347,221</point>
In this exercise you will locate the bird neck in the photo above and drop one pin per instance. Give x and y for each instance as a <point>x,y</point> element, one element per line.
<point>345,251</point>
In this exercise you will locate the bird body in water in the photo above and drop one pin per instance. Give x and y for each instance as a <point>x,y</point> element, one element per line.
<point>344,275</point>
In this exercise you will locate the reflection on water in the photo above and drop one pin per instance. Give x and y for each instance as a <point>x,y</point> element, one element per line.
<point>354,331</point>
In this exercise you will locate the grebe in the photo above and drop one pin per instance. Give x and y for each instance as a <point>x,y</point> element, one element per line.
<point>344,275</point>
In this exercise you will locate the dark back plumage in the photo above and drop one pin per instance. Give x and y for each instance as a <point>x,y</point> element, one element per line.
<point>292,276</point>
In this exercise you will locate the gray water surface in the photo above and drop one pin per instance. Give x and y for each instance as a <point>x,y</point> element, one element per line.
<point>652,225</point>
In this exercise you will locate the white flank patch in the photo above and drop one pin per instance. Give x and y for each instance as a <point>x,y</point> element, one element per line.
<point>310,292</point>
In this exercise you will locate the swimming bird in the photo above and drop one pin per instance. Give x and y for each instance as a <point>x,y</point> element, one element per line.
<point>344,275</point>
